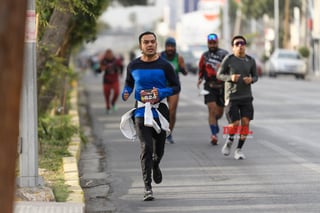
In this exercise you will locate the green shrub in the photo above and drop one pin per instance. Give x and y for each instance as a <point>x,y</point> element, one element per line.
<point>304,51</point>
<point>55,133</point>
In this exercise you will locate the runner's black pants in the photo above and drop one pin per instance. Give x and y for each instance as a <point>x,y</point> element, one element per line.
<point>152,148</point>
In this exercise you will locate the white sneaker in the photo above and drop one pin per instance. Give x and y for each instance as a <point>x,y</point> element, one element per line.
<point>238,155</point>
<point>204,92</point>
<point>226,148</point>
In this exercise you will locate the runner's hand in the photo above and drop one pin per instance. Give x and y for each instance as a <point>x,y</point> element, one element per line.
<point>235,77</point>
<point>199,82</point>
<point>247,80</point>
<point>125,95</point>
<point>155,92</point>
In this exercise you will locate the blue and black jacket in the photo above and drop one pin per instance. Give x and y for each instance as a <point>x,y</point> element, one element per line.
<point>146,75</point>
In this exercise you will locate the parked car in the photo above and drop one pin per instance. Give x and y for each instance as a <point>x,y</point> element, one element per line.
<point>190,61</point>
<point>198,50</point>
<point>286,62</point>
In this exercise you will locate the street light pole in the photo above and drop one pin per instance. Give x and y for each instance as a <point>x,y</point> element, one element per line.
<point>226,24</point>
<point>28,176</point>
<point>276,24</point>
<point>286,24</point>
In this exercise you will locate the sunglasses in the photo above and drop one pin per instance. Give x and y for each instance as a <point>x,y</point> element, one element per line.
<point>238,43</point>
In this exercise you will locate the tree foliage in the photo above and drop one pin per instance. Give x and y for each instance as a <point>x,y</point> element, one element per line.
<point>132,2</point>
<point>256,9</point>
<point>62,26</point>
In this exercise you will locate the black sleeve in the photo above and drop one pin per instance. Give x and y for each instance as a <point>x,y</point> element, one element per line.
<point>253,71</point>
<point>129,82</point>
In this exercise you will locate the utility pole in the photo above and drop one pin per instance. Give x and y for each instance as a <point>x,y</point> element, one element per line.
<point>28,174</point>
<point>11,62</point>
<point>276,24</point>
<point>226,25</point>
<point>286,24</point>
<point>237,25</point>
<point>304,27</point>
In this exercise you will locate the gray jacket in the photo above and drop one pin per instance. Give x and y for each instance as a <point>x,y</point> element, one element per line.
<point>246,67</point>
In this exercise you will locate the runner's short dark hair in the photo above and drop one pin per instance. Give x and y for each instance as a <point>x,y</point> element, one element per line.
<point>146,33</point>
<point>237,37</point>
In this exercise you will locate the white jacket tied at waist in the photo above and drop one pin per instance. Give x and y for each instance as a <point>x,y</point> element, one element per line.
<point>127,125</point>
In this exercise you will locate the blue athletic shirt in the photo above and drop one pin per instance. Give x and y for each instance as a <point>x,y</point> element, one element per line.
<point>146,75</point>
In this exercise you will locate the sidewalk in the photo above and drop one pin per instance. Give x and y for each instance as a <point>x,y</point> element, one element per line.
<point>48,207</point>
<point>313,76</point>
<point>84,172</point>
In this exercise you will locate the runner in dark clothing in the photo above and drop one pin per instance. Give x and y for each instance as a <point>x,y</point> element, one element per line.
<point>208,67</point>
<point>238,71</point>
<point>152,80</point>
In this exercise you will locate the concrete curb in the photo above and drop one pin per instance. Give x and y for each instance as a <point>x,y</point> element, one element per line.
<point>70,164</point>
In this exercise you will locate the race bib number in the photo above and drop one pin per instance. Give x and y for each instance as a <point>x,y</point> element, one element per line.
<point>148,96</point>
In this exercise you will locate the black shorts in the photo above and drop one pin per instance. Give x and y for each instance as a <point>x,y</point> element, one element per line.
<point>215,95</point>
<point>237,109</point>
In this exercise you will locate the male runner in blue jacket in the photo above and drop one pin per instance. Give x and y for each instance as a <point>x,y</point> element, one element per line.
<point>152,80</point>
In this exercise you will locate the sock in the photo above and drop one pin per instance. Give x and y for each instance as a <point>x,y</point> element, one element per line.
<point>218,129</point>
<point>214,129</point>
<point>240,143</point>
<point>231,137</point>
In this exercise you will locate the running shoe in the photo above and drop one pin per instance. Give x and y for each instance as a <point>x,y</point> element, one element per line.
<point>203,92</point>
<point>226,149</point>
<point>170,139</point>
<point>157,175</point>
<point>238,154</point>
<point>214,140</point>
<point>114,108</point>
<point>148,195</point>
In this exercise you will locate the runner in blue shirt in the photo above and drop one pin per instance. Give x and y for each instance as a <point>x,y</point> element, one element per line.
<point>152,80</point>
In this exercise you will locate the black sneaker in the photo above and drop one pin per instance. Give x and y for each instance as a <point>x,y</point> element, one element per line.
<point>170,139</point>
<point>148,195</point>
<point>157,175</point>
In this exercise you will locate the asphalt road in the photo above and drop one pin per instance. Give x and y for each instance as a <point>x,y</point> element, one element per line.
<point>281,172</point>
